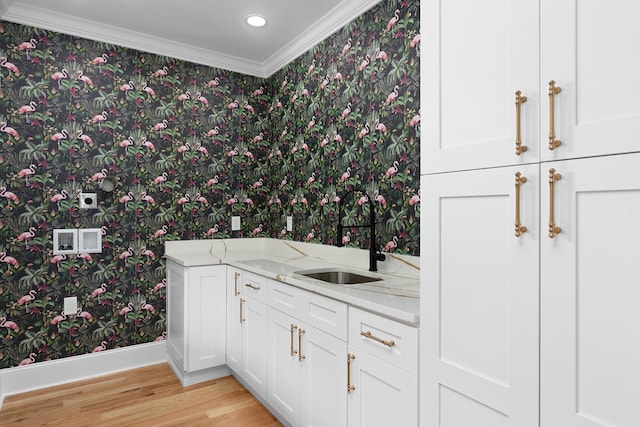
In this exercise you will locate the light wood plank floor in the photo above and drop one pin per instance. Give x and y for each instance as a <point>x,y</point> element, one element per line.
<point>149,396</point>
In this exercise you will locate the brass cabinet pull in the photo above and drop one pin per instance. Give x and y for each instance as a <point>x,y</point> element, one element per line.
<point>554,230</point>
<point>255,288</point>
<point>520,229</point>
<point>293,328</point>
<point>553,91</point>
<point>301,357</point>
<point>235,284</point>
<point>242,301</point>
<point>520,148</point>
<point>367,334</point>
<point>350,387</point>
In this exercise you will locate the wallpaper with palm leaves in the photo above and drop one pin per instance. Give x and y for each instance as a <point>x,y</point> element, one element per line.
<point>191,146</point>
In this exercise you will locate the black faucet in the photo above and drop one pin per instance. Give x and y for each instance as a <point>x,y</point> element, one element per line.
<point>374,256</point>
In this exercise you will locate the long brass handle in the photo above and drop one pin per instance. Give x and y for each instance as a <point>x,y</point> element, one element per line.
<point>554,230</point>
<point>293,328</point>
<point>301,357</point>
<point>367,334</point>
<point>350,387</point>
<point>520,229</point>
<point>235,284</point>
<point>553,91</point>
<point>255,288</point>
<point>520,148</point>
<point>242,301</point>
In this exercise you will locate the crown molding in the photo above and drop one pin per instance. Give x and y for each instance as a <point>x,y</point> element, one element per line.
<point>13,11</point>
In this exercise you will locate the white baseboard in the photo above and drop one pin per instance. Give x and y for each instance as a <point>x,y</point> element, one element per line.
<point>21,379</point>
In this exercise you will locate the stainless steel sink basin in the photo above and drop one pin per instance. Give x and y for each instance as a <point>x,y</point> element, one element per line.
<point>337,277</point>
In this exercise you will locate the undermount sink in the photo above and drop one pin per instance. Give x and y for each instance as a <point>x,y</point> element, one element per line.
<point>337,277</point>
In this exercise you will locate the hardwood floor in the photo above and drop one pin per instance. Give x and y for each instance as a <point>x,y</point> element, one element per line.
<point>149,396</point>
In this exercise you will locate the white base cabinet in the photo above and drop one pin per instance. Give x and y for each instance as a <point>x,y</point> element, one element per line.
<point>196,321</point>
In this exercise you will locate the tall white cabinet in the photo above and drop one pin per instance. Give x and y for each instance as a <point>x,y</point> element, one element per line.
<point>539,328</point>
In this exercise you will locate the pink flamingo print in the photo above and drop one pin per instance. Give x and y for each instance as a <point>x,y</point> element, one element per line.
<point>99,290</point>
<point>392,244</point>
<point>393,95</point>
<point>415,121</point>
<point>85,79</point>
<point>380,127</point>
<point>9,66</point>
<point>258,91</point>
<point>184,148</point>
<point>26,173</point>
<point>213,230</point>
<point>381,55</point>
<point>337,138</point>
<point>311,235</point>
<point>58,136</point>
<point>161,285</point>
<point>148,90</point>
<point>346,47</point>
<point>147,252</point>
<point>126,198</point>
<point>184,199</point>
<point>26,109</point>
<point>311,67</point>
<point>57,259</point>
<point>183,97</point>
<point>202,99</point>
<point>232,200</point>
<point>8,194</point>
<point>415,40</point>
<point>84,138</point>
<point>99,118</point>
<point>127,87</point>
<point>29,360</point>
<point>162,72</point>
<point>394,20</point>
<point>213,83</point>
<point>85,315</point>
<point>162,337</point>
<point>365,62</point>
<point>28,46</point>
<point>248,201</point>
<point>148,144</point>
<point>214,131</point>
<point>148,307</point>
<point>415,199</point>
<point>145,197</point>
<point>4,323</point>
<point>346,238</point>
<point>202,199</point>
<point>346,111</point>
<point>160,179</point>
<point>27,234</point>
<point>364,131</point>
<point>57,198</point>
<point>248,153</point>
<point>59,318</point>
<point>233,152</point>
<point>249,107</point>
<point>125,310</point>
<point>9,130</point>
<point>126,254</point>
<point>99,60</point>
<point>101,347</point>
<point>392,170</point>
<point>58,76</point>
<point>200,148</point>
<point>257,230</point>
<point>27,298</point>
<point>161,232</point>
<point>126,143</point>
<point>99,175</point>
<point>345,176</point>
<point>233,105</point>
<point>86,257</point>
<point>161,125</point>
<point>259,183</point>
<point>379,198</point>
<point>213,181</point>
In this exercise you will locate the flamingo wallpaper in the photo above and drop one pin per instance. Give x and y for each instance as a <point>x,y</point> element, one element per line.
<point>191,146</point>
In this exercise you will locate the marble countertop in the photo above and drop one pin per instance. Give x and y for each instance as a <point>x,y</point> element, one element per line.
<point>396,296</point>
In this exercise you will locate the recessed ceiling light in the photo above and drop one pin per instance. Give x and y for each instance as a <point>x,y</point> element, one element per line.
<point>256,21</point>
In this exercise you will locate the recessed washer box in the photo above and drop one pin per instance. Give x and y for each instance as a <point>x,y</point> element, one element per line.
<point>65,241</point>
<point>88,200</point>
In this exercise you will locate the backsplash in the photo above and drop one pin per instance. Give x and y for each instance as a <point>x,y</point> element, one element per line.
<point>191,146</point>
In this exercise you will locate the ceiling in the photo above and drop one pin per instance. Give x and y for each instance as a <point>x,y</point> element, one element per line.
<point>209,32</point>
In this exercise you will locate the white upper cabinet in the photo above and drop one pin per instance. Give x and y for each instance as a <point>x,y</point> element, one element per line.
<point>477,56</point>
<point>590,49</point>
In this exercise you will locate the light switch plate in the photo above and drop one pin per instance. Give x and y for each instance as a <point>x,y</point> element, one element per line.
<point>235,223</point>
<point>70,305</point>
<point>289,223</point>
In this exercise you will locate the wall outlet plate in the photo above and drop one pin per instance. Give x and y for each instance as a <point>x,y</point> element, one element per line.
<point>88,200</point>
<point>235,223</point>
<point>70,305</point>
<point>289,223</point>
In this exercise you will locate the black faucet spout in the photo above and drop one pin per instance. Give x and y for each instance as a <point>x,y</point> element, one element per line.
<point>374,255</point>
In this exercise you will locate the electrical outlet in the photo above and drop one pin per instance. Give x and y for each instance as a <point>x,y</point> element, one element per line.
<point>235,223</point>
<point>70,305</point>
<point>289,223</point>
<point>88,200</point>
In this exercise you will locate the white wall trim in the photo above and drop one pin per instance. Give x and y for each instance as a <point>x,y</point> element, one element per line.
<point>21,379</point>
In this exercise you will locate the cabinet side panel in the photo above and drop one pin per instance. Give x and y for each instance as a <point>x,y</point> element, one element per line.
<point>175,314</point>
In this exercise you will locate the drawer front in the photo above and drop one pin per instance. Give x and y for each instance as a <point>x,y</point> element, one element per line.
<point>387,339</point>
<point>288,299</point>
<point>254,286</point>
<point>326,314</point>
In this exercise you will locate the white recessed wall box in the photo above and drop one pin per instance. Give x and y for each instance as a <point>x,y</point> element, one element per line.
<point>65,241</point>
<point>88,200</point>
<point>89,240</point>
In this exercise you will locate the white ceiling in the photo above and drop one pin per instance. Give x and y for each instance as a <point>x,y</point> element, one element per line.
<point>210,32</point>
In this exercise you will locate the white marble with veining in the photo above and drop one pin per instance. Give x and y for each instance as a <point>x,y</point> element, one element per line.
<point>396,296</point>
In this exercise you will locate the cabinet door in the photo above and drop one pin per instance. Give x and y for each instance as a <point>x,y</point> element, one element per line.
<point>384,395</point>
<point>234,320</point>
<point>206,314</point>
<point>324,388</point>
<point>590,49</point>
<point>176,313</point>
<point>284,378</point>
<point>479,54</point>
<point>254,345</point>
<point>590,375</point>
<point>479,299</point>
